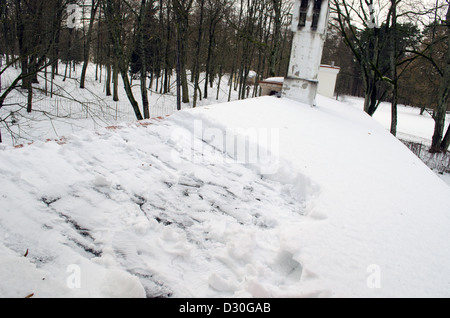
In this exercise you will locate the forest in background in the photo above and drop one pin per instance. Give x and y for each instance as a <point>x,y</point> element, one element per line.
<point>161,39</point>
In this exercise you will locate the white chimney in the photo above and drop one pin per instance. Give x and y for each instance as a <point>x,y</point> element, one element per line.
<point>309,24</point>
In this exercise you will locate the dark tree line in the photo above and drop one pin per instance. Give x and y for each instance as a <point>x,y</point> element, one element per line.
<point>30,37</point>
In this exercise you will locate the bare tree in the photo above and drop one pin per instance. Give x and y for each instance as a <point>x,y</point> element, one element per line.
<point>365,43</point>
<point>438,143</point>
<point>182,11</point>
<point>143,77</point>
<point>196,70</point>
<point>36,38</point>
<point>446,141</point>
<point>393,66</point>
<point>277,10</point>
<point>87,46</point>
<point>114,16</point>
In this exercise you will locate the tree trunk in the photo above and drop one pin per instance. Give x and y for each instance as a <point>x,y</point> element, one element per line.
<point>115,81</point>
<point>112,10</point>
<point>65,71</point>
<point>182,10</point>
<point>230,82</point>
<point>370,92</point>
<point>130,95</point>
<point>108,79</point>
<point>108,72</point>
<point>196,70</point>
<point>220,79</point>
<point>1,65</point>
<point>46,77</point>
<point>233,74</point>
<point>184,80</point>
<point>208,64</point>
<point>30,99</point>
<point>394,111</point>
<point>144,95</point>
<point>446,141</point>
<point>444,93</point>
<point>167,64</point>
<point>55,44</point>
<point>276,37</point>
<point>87,46</point>
<point>26,79</point>
<point>23,42</point>
<point>178,74</point>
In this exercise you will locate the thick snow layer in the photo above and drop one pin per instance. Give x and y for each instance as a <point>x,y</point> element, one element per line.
<point>275,79</point>
<point>331,205</point>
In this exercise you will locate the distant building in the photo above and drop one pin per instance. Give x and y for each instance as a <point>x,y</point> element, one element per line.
<point>272,86</point>
<point>326,82</point>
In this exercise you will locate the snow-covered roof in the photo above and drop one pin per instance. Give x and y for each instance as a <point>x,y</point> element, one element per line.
<point>278,80</point>
<point>337,208</point>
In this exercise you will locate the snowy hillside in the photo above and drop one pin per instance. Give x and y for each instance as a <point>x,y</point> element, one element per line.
<point>181,207</point>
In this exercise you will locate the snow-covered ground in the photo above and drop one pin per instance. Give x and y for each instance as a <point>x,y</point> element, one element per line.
<point>331,205</point>
<point>71,109</point>
<point>411,125</point>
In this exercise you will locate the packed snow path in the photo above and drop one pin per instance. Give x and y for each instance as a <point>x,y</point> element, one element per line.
<point>129,199</point>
